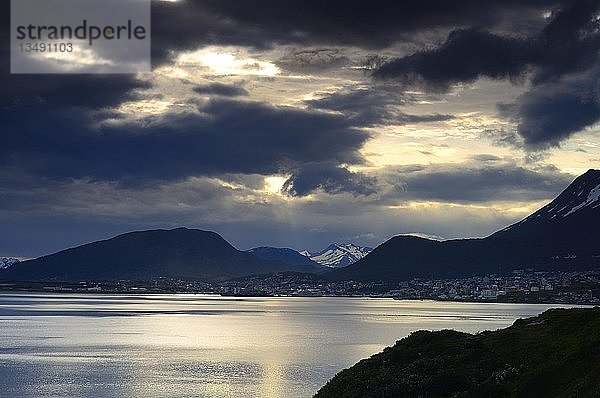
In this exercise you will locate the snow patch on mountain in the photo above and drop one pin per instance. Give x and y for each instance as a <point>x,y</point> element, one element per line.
<point>7,262</point>
<point>424,236</point>
<point>593,197</point>
<point>583,194</point>
<point>340,255</point>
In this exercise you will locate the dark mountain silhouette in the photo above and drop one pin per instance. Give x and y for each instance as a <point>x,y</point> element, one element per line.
<point>563,235</point>
<point>177,253</point>
<point>287,256</point>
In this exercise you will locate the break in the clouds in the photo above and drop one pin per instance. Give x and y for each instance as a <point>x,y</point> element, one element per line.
<point>298,123</point>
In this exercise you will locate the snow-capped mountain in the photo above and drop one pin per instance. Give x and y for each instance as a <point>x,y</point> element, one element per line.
<point>338,255</point>
<point>6,262</point>
<point>581,200</point>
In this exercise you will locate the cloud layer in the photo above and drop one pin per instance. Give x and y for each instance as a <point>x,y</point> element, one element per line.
<point>222,137</point>
<point>375,118</point>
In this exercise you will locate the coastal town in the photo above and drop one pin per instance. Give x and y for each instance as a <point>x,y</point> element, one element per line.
<point>519,286</point>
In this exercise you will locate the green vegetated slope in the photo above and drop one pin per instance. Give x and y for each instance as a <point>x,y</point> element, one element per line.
<point>556,354</point>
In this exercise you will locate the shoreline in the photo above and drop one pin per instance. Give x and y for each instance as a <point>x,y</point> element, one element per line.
<point>139,292</point>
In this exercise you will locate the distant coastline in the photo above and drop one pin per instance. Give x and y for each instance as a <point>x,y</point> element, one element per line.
<point>526,287</point>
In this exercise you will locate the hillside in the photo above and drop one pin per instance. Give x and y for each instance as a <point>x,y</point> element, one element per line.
<point>287,256</point>
<point>552,355</point>
<point>562,235</point>
<point>177,253</point>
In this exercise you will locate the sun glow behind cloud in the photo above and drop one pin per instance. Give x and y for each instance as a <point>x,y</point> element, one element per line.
<point>146,107</point>
<point>274,184</point>
<point>227,61</point>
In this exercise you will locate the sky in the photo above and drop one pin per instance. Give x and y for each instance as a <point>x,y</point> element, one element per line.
<point>301,123</point>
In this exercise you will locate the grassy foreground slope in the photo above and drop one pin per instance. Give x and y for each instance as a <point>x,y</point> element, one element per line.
<point>556,354</point>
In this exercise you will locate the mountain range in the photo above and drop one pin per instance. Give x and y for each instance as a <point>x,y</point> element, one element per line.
<point>177,253</point>
<point>336,255</point>
<point>563,235</point>
<point>287,256</point>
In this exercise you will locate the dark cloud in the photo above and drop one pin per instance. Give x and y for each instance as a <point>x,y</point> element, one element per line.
<point>328,177</point>
<point>361,22</point>
<point>356,99</point>
<point>557,105</point>
<point>185,25</point>
<point>369,106</point>
<point>406,118</point>
<point>464,57</point>
<point>89,91</point>
<point>227,137</point>
<point>224,90</point>
<point>189,24</point>
<point>477,183</point>
<point>551,112</point>
<point>569,43</point>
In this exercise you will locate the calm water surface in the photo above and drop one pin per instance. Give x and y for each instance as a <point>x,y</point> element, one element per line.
<point>66,345</point>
